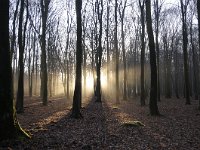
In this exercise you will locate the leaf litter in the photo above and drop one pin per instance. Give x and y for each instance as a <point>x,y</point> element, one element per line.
<point>108,126</point>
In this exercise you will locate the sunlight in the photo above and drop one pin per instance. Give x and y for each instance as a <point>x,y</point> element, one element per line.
<point>89,82</point>
<point>103,80</point>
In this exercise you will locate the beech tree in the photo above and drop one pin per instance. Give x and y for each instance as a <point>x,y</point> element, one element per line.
<point>9,126</point>
<point>99,50</point>
<point>185,44</point>
<point>157,12</point>
<point>44,4</point>
<point>21,43</point>
<point>142,97</point>
<point>153,90</point>
<point>116,54</point>
<point>79,52</point>
<point>122,9</point>
<point>198,12</point>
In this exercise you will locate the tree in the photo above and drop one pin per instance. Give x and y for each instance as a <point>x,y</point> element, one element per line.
<point>198,11</point>
<point>153,91</point>
<point>185,53</point>
<point>176,68</point>
<point>21,43</point>
<point>116,54</point>
<point>78,81</point>
<point>99,51</point>
<point>44,4</point>
<point>157,10</point>
<point>107,42</point>
<point>13,40</point>
<point>142,97</point>
<point>122,14</point>
<point>9,126</point>
<point>194,54</point>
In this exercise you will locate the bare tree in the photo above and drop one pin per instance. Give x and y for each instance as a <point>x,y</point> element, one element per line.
<point>99,50</point>
<point>142,97</point>
<point>9,126</point>
<point>44,4</point>
<point>153,91</point>
<point>21,43</point>
<point>157,11</point>
<point>78,81</point>
<point>122,9</point>
<point>116,54</point>
<point>198,11</point>
<point>185,43</point>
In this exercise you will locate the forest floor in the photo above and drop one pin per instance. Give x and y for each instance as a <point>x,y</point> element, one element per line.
<point>104,126</point>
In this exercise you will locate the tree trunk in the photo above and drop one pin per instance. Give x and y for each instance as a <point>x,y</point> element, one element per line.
<point>195,64</point>
<point>176,62</point>
<point>198,11</point>
<point>185,53</point>
<point>44,78</point>
<point>142,97</point>
<point>9,126</point>
<point>21,43</point>
<point>107,45</point>
<point>157,16</point>
<point>78,81</point>
<point>84,69</point>
<point>99,51</point>
<point>116,55</point>
<point>122,13</point>
<point>153,91</point>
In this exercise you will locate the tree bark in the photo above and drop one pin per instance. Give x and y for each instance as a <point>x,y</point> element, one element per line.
<point>107,45</point>
<point>44,4</point>
<point>142,97</point>
<point>198,11</point>
<point>185,53</point>
<point>153,91</point>
<point>79,52</point>
<point>122,14</point>
<point>116,55</point>
<point>157,10</point>
<point>176,67</point>
<point>9,126</point>
<point>21,43</point>
<point>99,51</point>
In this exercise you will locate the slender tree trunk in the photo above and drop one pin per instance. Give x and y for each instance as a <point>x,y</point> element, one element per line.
<point>68,80</point>
<point>21,43</point>
<point>99,51</point>
<point>195,64</point>
<point>157,16</point>
<point>117,55</point>
<point>176,71</point>
<point>29,73</point>
<point>107,44</point>
<point>13,41</point>
<point>122,14</point>
<point>33,66</point>
<point>198,11</point>
<point>153,91</point>
<point>142,97</point>
<point>84,69</point>
<point>78,81</point>
<point>185,53</point>
<point>44,78</point>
